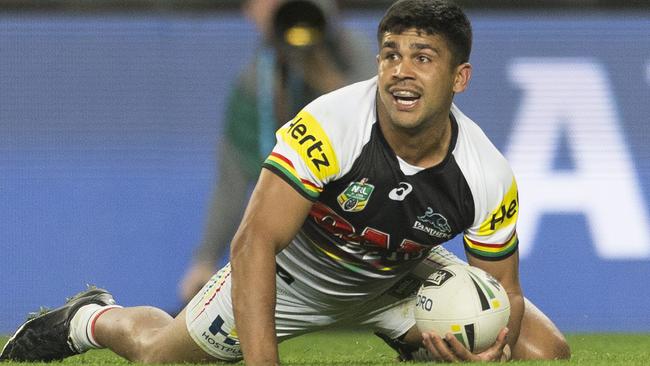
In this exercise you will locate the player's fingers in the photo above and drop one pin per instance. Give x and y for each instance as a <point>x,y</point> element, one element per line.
<point>502,339</point>
<point>428,344</point>
<point>461,352</point>
<point>503,335</point>
<point>507,354</point>
<point>443,349</point>
<point>495,352</point>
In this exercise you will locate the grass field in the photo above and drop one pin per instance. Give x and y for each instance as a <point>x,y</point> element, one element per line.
<point>361,348</point>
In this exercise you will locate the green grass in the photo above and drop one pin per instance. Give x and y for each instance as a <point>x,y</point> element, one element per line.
<point>361,348</point>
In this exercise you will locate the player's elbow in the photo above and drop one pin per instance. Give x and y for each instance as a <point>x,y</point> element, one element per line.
<point>242,243</point>
<point>251,247</point>
<point>237,247</point>
<point>255,241</point>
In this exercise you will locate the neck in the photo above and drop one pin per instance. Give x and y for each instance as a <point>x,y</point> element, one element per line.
<point>425,146</point>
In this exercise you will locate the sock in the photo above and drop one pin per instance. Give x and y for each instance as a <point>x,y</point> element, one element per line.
<point>82,326</point>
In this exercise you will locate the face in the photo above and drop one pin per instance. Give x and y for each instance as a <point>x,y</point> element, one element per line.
<point>416,79</point>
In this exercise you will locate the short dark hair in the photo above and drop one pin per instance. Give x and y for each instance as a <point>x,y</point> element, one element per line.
<point>434,17</point>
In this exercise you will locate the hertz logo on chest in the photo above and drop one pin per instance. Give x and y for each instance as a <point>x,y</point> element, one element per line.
<point>305,135</point>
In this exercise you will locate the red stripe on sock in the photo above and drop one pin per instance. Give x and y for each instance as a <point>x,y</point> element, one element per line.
<point>92,323</point>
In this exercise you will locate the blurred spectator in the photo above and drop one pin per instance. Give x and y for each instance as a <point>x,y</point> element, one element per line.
<point>304,54</point>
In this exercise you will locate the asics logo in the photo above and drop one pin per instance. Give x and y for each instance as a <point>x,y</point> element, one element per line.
<point>399,193</point>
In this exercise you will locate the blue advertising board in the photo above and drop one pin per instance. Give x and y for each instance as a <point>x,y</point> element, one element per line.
<point>108,131</point>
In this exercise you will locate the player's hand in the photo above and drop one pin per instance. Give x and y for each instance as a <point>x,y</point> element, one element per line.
<point>450,349</point>
<point>195,277</point>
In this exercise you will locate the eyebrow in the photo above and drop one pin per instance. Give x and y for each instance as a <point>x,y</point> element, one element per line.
<point>417,46</point>
<point>423,46</point>
<point>389,44</point>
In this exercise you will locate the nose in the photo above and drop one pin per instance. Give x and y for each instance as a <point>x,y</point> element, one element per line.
<point>403,70</point>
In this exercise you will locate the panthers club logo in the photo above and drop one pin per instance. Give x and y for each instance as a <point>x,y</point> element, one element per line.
<point>355,197</point>
<point>433,224</point>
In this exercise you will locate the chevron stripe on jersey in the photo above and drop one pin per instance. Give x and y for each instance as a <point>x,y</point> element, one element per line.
<point>492,251</point>
<point>284,167</point>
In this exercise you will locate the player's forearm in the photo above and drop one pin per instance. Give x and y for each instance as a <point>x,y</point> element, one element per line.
<point>516,314</point>
<point>273,217</point>
<point>253,294</point>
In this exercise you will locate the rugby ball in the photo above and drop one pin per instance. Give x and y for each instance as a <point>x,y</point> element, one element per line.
<point>464,301</point>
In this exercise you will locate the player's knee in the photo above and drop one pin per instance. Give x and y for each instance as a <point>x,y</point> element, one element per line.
<point>144,345</point>
<point>550,347</point>
<point>149,353</point>
<point>152,359</point>
<point>561,349</point>
<point>555,347</point>
<point>140,350</point>
<point>144,348</point>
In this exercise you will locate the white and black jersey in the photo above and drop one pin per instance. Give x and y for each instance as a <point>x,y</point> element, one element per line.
<point>375,217</point>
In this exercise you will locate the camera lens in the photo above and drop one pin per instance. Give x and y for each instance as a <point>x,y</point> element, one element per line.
<point>299,23</point>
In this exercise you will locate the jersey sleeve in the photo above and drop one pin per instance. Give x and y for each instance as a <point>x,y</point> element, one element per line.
<point>304,155</point>
<point>493,235</point>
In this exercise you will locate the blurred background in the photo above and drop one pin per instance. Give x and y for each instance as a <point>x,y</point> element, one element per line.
<point>111,114</point>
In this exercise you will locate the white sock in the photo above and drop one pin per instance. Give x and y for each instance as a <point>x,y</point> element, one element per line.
<point>82,326</point>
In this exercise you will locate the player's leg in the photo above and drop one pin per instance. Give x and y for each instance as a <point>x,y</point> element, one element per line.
<point>203,331</point>
<point>539,338</point>
<point>144,334</point>
<point>200,333</point>
<point>392,320</point>
<point>147,335</point>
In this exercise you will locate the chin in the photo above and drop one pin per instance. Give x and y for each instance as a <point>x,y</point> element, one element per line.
<point>405,123</point>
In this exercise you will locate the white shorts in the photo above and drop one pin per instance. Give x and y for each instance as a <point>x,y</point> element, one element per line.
<point>210,319</point>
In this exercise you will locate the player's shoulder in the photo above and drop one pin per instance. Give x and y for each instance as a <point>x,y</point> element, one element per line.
<point>329,133</point>
<point>490,178</point>
<point>342,120</point>
<point>347,108</point>
<point>477,156</point>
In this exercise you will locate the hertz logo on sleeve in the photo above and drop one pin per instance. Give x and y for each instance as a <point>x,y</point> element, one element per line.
<point>505,214</point>
<point>305,135</point>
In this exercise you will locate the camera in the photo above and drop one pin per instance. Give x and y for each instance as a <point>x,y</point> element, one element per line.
<point>299,24</point>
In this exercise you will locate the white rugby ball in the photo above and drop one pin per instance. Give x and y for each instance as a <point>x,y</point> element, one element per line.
<point>464,301</point>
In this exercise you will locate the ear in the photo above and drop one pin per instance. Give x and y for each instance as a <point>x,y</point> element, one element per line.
<point>463,75</point>
<point>377,58</point>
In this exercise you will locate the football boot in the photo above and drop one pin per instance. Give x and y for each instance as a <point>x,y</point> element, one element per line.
<point>45,336</point>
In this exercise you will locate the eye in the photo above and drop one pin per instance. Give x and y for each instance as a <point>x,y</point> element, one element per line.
<point>423,59</point>
<point>391,56</point>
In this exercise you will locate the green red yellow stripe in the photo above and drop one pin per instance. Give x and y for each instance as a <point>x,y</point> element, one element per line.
<point>492,251</point>
<point>284,165</point>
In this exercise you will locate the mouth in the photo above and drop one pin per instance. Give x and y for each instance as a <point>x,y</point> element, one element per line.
<point>405,99</point>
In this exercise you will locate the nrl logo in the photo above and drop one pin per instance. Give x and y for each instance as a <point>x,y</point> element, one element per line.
<point>355,197</point>
<point>438,278</point>
<point>433,224</point>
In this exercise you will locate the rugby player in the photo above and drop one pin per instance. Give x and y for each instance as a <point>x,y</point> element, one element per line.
<point>350,211</point>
